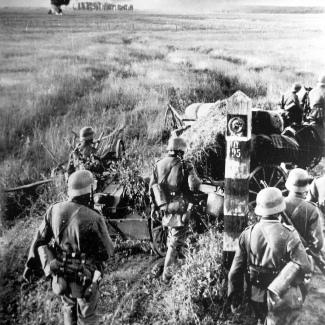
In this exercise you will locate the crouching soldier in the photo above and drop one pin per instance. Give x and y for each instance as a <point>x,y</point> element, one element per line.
<point>170,195</point>
<point>72,244</point>
<point>84,155</point>
<point>266,250</point>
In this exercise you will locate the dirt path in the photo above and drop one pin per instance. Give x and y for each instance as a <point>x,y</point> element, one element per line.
<point>127,287</point>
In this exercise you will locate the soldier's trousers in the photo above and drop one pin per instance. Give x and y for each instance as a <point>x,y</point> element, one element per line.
<point>78,311</point>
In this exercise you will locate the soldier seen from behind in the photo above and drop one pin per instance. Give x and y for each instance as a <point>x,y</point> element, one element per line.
<point>170,196</point>
<point>270,254</point>
<point>316,194</point>
<point>304,215</point>
<point>72,244</point>
<point>84,155</point>
<point>316,99</point>
<point>293,110</point>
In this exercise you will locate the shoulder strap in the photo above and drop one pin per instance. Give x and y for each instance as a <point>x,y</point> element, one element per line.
<point>272,248</point>
<point>248,246</point>
<point>167,174</point>
<point>296,210</point>
<point>64,225</point>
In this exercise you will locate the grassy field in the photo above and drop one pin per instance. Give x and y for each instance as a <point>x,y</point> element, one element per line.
<point>60,73</point>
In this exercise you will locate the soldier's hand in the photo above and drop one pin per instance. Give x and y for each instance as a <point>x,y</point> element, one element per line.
<point>28,275</point>
<point>55,266</point>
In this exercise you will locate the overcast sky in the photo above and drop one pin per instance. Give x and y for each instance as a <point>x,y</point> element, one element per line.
<point>151,4</point>
<point>177,4</point>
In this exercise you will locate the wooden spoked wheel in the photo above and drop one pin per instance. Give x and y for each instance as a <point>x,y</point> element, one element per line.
<point>261,177</point>
<point>158,235</point>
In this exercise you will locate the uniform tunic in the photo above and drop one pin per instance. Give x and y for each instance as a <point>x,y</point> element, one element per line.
<point>84,157</point>
<point>292,107</point>
<point>172,174</point>
<point>85,233</point>
<point>317,105</point>
<point>307,219</point>
<point>267,245</point>
<point>316,195</point>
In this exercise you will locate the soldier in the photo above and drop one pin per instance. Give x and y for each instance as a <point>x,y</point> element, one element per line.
<point>170,193</point>
<point>264,250</point>
<point>84,155</point>
<point>293,111</point>
<point>316,99</point>
<point>316,194</point>
<point>304,215</point>
<point>72,243</point>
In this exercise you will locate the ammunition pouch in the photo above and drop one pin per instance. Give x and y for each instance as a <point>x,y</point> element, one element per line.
<point>77,271</point>
<point>261,277</point>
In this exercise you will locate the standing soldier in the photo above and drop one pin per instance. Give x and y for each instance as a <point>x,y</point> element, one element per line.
<point>316,194</point>
<point>72,244</point>
<point>316,99</point>
<point>265,249</point>
<point>293,111</point>
<point>84,155</point>
<point>304,215</point>
<point>170,192</point>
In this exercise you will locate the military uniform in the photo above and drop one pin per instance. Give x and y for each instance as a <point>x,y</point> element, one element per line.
<point>293,110</point>
<point>81,243</point>
<point>84,157</point>
<point>263,250</point>
<point>172,174</point>
<point>317,105</point>
<point>307,219</point>
<point>316,194</point>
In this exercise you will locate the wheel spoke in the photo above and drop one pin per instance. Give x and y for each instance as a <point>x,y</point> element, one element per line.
<point>278,182</point>
<point>264,179</point>
<point>270,182</point>
<point>257,182</point>
<point>253,192</point>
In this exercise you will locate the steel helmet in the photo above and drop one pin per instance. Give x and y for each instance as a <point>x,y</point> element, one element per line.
<point>295,87</point>
<point>79,183</point>
<point>297,180</point>
<point>176,144</point>
<point>86,133</point>
<point>269,201</point>
<point>321,79</point>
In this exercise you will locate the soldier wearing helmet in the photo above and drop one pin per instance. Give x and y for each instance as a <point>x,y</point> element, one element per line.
<point>170,188</point>
<point>316,100</point>
<point>305,216</point>
<point>84,155</point>
<point>293,110</point>
<point>316,194</point>
<point>264,250</point>
<point>72,244</point>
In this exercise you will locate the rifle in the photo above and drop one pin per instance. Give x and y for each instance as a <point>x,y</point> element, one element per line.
<point>319,261</point>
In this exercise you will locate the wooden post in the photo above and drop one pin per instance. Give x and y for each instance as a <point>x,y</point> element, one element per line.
<point>239,121</point>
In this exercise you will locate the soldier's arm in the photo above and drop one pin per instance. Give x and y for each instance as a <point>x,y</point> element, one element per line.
<point>315,237</point>
<point>312,195</point>
<point>153,180</point>
<point>42,237</point>
<point>297,252</point>
<point>105,243</point>
<point>237,272</point>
